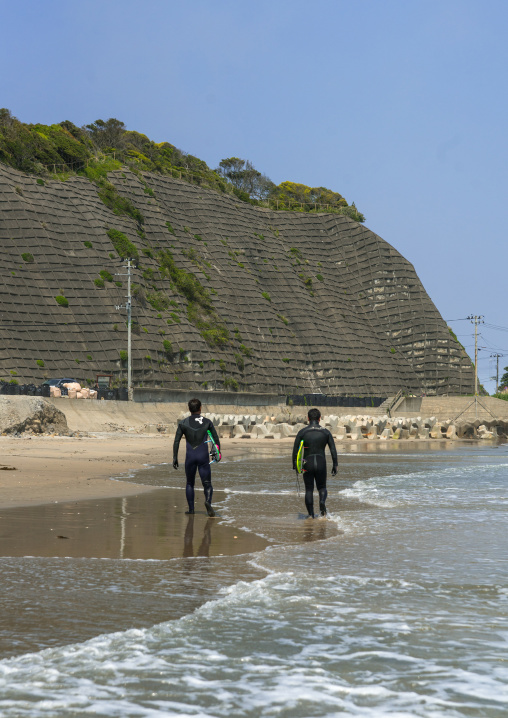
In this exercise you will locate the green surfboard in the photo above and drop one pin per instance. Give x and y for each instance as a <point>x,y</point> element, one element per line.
<point>299,458</point>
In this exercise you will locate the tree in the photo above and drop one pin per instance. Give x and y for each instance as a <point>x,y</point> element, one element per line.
<point>6,117</point>
<point>106,134</point>
<point>245,177</point>
<point>504,379</point>
<point>295,192</point>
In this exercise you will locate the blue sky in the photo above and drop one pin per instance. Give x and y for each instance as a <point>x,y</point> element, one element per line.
<point>399,105</point>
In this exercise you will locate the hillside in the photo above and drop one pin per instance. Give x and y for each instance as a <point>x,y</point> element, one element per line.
<point>227,295</point>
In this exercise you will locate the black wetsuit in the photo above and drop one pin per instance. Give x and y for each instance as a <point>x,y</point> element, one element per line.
<point>315,438</point>
<point>195,429</point>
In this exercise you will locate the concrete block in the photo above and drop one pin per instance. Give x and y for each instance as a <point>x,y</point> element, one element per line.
<point>372,433</point>
<point>225,431</point>
<point>436,432</point>
<point>259,431</point>
<point>451,432</point>
<point>286,430</point>
<point>386,434</point>
<point>238,430</point>
<point>424,432</point>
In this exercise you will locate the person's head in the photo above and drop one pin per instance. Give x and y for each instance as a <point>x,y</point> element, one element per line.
<point>194,406</point>
<point>314,415</point>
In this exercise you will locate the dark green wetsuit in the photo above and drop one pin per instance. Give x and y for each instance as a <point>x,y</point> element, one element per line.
<point>316,438</point>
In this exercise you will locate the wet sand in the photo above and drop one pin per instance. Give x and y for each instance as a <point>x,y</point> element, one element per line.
<point>150,525</point>
<point>47,469</point>
<point>58,499</point>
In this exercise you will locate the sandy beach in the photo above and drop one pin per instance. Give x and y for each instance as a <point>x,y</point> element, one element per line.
<point>44,469</point>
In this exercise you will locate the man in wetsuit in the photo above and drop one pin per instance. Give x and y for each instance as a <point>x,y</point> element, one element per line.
<point>315,439</point>
<point>195,428</point>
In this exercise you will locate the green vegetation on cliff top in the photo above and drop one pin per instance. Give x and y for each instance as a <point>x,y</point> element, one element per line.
<point>106,145</point>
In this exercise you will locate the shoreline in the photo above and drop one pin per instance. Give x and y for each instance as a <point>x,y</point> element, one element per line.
<point>51,469</point>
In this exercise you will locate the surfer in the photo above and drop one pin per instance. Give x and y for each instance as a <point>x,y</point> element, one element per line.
<point>200,434</point>
<point>309,457</point>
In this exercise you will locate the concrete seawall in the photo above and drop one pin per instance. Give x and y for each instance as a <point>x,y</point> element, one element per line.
<point>89,415</point>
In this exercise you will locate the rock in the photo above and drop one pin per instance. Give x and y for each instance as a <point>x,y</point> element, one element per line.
<point>485,433</point>
<point>30,413</point>
<point>488,435</point>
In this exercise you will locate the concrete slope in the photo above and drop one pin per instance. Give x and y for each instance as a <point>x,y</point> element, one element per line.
<point>312,302</point>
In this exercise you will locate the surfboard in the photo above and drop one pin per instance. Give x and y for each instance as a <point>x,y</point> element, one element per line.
<point>299,458</point>
<point>213,449</point>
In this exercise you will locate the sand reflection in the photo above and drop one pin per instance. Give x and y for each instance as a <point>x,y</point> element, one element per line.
<point>148,526</point>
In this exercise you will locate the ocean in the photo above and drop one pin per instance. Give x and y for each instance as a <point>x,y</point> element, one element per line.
<point>396,604</point>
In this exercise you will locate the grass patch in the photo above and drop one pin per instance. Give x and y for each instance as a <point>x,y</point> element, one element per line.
<point>158,300</point>
<point>27,257</point>
<point>123,245</point>
<point>62,301</point>
<point>209,324</point>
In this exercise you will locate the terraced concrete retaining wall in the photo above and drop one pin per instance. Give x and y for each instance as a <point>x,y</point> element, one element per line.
<point>312,302</point>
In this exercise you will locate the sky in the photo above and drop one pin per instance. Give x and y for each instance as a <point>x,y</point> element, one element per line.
<point>399,105</point>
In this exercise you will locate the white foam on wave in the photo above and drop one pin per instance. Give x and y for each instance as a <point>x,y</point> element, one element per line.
<point>285,643</point>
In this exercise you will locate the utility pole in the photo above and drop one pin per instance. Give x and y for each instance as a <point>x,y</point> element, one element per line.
<point>128,306</point>
<point>476,319</point>
<point>496,357</point>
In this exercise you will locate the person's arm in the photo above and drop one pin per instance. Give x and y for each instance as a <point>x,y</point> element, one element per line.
<point>296,446</point>
<point>333,452</point>
<point>176,445</point>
